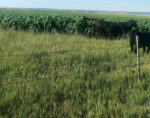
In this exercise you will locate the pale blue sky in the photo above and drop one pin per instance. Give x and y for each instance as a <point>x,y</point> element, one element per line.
<point>108,5</point>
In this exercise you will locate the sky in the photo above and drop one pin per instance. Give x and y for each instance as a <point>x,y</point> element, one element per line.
<point>106,5</point>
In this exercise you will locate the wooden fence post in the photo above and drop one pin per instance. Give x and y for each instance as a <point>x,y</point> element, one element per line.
<point>138,58</point>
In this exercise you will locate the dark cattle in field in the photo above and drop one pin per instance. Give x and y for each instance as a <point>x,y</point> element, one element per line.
<point>108,29</point>
<point>113,29</point>
<point>118,29</point>
<point>144,41</point>
<point>127,26</point>
<point>100,28</point>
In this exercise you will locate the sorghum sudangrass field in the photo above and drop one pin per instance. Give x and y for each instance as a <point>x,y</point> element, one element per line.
<point>63,22</point>
<point>51,75</point>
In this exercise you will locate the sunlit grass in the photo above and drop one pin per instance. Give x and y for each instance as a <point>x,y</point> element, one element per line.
<point>57,75</point>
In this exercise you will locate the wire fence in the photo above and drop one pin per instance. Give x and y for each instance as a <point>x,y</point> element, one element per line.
<point>109,60</point>
<point>48,55</point>
<point>61,76</point>
<point>63,51</point>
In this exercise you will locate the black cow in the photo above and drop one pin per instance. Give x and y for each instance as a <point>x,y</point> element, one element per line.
<point>144,41</point>
<point>100,28</point>
<point>127,26</point>
<point>113,29</point>
<point>119,29</point>
<point>108,29</point>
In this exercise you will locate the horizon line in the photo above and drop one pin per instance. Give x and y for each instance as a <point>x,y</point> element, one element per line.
<point>74,9</point>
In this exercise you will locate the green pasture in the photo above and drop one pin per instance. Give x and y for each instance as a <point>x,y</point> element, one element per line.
<point>52,75</point>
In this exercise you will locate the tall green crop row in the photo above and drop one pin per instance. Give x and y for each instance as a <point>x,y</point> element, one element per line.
<point>39,21</point>
<point>43,23</point>
<point>144,25</point>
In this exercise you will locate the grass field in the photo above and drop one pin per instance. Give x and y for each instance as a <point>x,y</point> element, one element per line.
<point>70,76</point>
